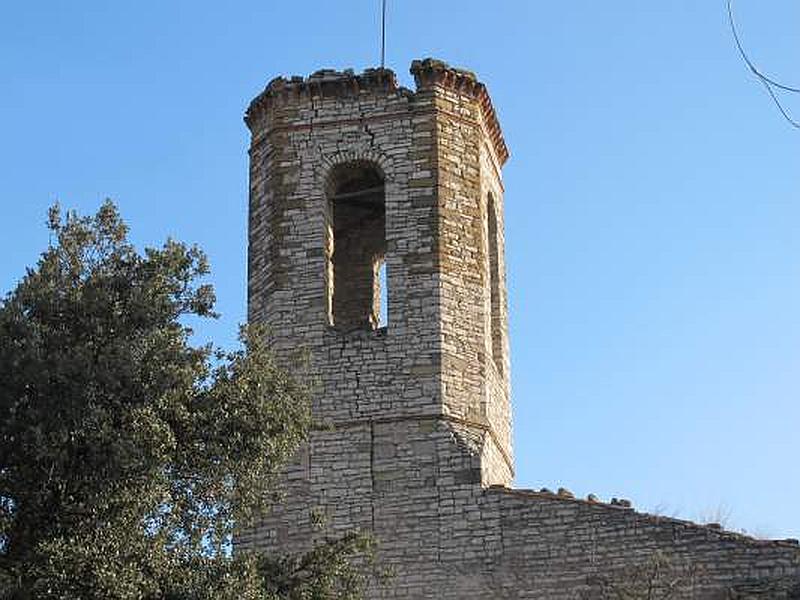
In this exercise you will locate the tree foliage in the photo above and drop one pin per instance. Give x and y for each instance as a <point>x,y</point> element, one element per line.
<point>128,456</point>
<point>656,578</point>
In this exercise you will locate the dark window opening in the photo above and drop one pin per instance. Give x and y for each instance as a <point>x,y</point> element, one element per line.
<point>356,247</point>
<point>495,317</point>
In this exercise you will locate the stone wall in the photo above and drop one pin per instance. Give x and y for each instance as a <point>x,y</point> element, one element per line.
<point>502,543</point>
<point>557,547</point>
<point>415,443</point>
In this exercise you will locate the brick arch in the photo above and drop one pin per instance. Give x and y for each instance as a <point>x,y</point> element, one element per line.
<point>336,175</point>
<point>355,236</point>
<point>364,152</point>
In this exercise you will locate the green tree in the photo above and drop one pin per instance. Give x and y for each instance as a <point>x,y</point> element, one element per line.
<point>128,456</point>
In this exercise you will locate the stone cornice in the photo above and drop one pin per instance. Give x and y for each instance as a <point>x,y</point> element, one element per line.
<point>326,83</point>
<point>431,72</point>
<point>329,83</point>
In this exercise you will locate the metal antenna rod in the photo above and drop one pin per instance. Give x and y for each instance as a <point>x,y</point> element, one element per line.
<point>383,35</point>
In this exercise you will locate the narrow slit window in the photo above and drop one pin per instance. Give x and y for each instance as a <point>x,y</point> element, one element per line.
<point>356,246</point>
<point>495,317</point>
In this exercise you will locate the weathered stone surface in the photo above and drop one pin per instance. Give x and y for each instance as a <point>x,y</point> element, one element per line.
<point>348,171</point>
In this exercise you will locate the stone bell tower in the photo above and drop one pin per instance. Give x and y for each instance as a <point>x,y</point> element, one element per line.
<point>376,246</point>
<point>358,184</point>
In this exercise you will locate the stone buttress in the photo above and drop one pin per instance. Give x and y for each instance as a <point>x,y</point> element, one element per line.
<point>376,247</point>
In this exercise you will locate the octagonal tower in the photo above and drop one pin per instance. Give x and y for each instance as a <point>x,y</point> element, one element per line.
<point>376,244</point>
<point>376,247</point>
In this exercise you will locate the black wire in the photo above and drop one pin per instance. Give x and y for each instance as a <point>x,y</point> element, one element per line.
<point>784,112</point>
<point>383,35</point>
<point>747,60</point>
<point>766,81</point>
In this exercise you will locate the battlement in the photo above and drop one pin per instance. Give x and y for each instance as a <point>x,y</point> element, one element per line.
<point>330,83</point>
<point>431,72</point>
<point>325,83</point>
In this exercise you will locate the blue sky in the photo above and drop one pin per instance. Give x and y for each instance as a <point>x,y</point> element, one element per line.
<point>652,204</point>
